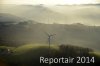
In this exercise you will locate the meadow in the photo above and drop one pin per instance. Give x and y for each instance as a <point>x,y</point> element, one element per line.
<point>29,54</point>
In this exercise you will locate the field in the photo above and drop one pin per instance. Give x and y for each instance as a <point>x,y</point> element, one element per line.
<point>29,54</point>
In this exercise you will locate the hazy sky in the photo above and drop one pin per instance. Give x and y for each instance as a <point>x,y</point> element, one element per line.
<point>48,2</point>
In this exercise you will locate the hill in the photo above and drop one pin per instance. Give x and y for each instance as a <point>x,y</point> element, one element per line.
<point>22,24</point>
<point>5,17</point>
<point>29,55</point>
<point>28,32</point>
<point>87,14</point>
<point>36,12</point>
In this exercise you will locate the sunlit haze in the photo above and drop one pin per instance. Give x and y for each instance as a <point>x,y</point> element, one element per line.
<point>88,15</point>
<point>49,2</point>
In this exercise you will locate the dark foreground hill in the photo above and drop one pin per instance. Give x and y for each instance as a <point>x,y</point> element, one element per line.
<point>29,55</point>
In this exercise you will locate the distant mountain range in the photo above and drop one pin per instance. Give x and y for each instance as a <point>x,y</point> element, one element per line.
<point>21,24</point>
<point>6,18</point>
<point>9,18</point>
<point>38,13</point>
<point>56,14</point>
<point>28,32</point>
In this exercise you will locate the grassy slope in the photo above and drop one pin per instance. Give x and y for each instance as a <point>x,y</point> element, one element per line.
<point>29,54</point>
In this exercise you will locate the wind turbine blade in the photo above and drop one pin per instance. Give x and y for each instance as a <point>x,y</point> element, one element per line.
<point>46,33</point>
<point>52,34</point>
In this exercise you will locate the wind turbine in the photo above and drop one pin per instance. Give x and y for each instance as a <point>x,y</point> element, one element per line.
<point>49,38</point>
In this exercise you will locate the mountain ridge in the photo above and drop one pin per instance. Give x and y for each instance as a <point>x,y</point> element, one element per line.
<point>55,14</point>
<point>74,34</point>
